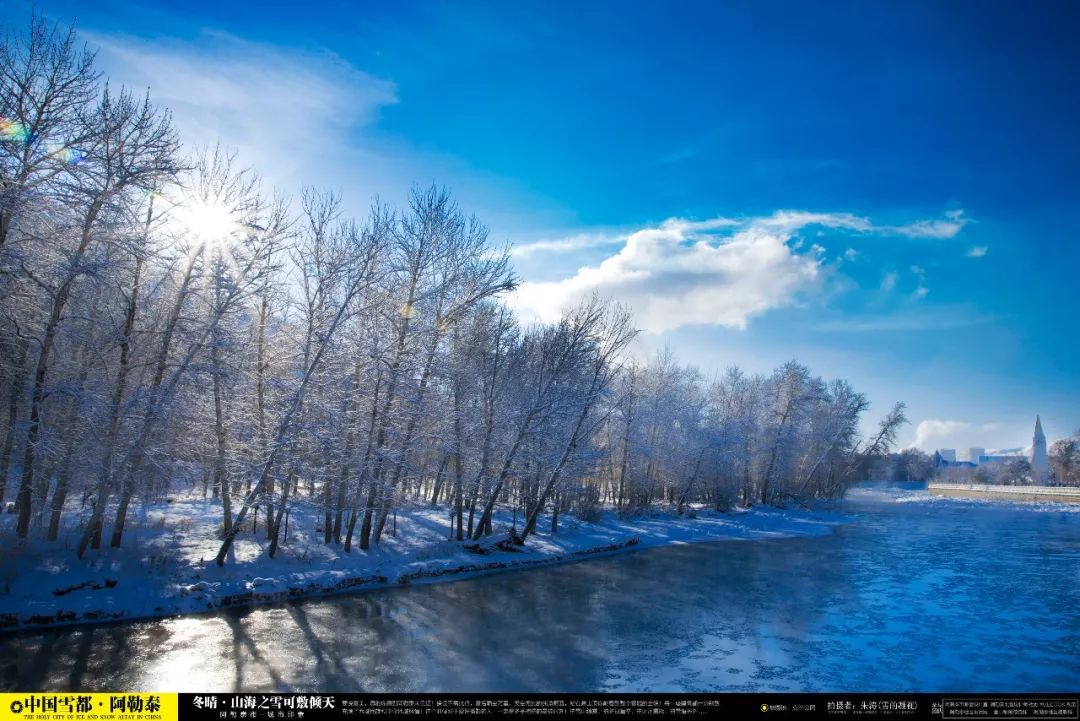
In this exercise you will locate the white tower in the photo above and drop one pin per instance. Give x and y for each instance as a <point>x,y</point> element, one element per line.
<point>1040,463</point>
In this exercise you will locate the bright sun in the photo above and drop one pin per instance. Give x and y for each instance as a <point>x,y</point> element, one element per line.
<point>210,222</point>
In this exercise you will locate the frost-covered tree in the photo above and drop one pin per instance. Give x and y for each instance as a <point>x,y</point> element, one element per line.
<point>1065,460</point>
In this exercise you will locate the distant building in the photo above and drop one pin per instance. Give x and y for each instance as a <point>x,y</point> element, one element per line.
<point>1040,462</point>
<point>977,456</point>
<point>998,458</point>
<point>946,458</point>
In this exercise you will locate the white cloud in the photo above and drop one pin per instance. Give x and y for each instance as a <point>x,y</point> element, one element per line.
<point>932,434</point>
<point>572,244</point>
<point>977,251</point>
<point>786,222</point>
<point>920,273</point>
<point>933,428</point>
<point>683,225</point>
<point>940,318</point>
<point>288,113</point>
<point>583,241</point>
<point>306,116</point>
<point>683,273</point>
<point>720,271</point>
<point>954,222</point>
<point>789,221</point>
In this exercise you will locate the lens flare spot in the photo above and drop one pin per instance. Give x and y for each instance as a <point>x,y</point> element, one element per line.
<point>14,131</point>
<point>64,154</point>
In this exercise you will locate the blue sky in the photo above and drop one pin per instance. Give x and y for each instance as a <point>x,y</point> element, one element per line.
<point>885,191</point>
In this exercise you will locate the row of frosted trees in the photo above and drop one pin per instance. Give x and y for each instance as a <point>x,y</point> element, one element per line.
<point>166,327</point>
<point>672,436</point>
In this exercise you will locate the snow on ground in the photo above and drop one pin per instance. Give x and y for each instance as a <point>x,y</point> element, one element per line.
<point>166,566</point>
<point>1020,505</point>
<point>917,493</point>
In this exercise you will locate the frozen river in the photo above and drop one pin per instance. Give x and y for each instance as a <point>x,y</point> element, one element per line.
<point>916,594</point>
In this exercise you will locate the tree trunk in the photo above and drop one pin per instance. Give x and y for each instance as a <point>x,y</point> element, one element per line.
<point>23,498</point>
<point>281,511</point>
<point>328,511</point>
<point>489,507</point>
<point>369,510</point>
<point>16,392</point>
<point>690,483</point>
<point>60,496</point>
<point>221,480</point>
<point>571,446</point>
<point>41,370</point>
<point>439,478</point>
<point>349,533</point>
<point>458,504</point>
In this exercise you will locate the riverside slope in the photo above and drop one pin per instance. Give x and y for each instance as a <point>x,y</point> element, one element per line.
<point>167,569</point>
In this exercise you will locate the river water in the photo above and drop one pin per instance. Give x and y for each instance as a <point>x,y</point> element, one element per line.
<point>914,594</point>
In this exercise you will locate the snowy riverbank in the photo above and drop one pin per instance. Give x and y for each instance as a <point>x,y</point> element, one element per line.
<point>167,567</point>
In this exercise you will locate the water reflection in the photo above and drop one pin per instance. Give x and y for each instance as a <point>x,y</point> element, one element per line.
<point>915,596</point>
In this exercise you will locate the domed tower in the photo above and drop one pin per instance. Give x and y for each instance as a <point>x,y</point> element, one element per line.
<point>1040,462</point>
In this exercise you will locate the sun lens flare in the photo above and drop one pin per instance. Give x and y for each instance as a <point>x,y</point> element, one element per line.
<point>64,154</point>
<point>209,222</point>
<point>13,130</point>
